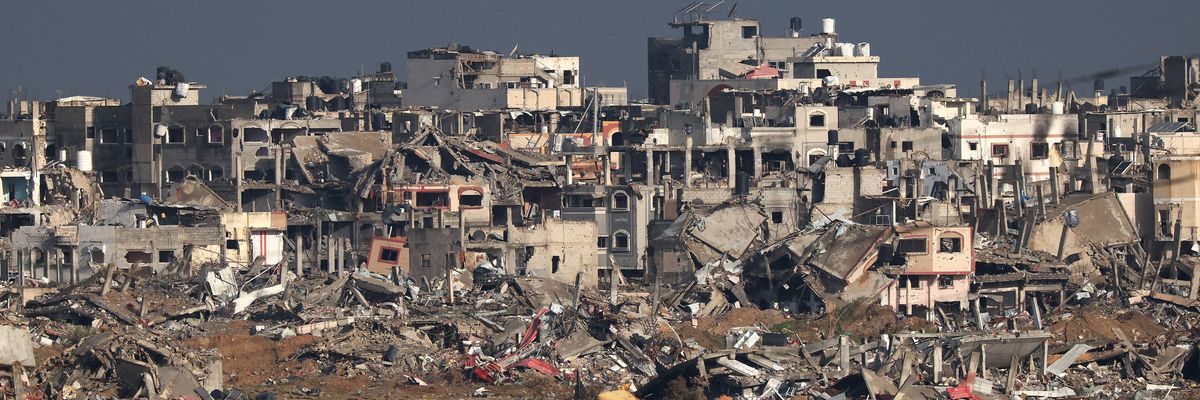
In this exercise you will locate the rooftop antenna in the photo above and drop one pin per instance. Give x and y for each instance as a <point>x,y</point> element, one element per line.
<point>686,9</point>
<point>733,11</point>
<point>704,14</point>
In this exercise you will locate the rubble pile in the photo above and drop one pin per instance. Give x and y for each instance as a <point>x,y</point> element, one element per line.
<point>777,222</point>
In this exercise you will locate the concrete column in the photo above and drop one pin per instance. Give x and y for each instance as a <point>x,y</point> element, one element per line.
<point>650,167</point>
<point>300,255</point>
<point>843,355</point>
<point>279,155</point>
<point>687,161</point>
<point>907,295</point>
<point>330,247</point>
<point>58,267</point>
<point>1041,202</point>
<point>1054,185</point>
<point>341,255</point>
<point>757,162</point>
<point>937,361</point>
<point>75,268</point>
<point>607,168</point>
<point>731,167</point>
<point>570,174</point>
<point>666,163</point>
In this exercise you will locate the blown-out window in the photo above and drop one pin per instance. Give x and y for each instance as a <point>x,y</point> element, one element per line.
<point>620,201</point>
<point>621,241</point>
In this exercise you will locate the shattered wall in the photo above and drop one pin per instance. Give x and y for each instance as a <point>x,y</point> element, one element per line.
<point>560,249</point>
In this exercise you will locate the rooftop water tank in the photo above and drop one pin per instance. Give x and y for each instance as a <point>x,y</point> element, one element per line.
<point>1057,108</point>
<point>827,26</point>
<point>83,160</point>
<point>862,49</point>
<point>845,49</point>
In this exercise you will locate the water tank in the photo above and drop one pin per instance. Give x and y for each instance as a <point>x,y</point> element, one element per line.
<point>847,49</point>
<point>833,137</point>
<point>1057,108</point>
<point>844,161</point>
<point>62,155</point>
<point>337,103</point>
<point>83,160</point>
<point>313,103</point>
<point>831,81</point>
<point>385,67</point>
<point>181,89</point>
<point>862,157</point>
<point>827,26</point>
<point>1098,85</point>
<point>355,85</point>
<point>378,121</point>
<point>862,49</point>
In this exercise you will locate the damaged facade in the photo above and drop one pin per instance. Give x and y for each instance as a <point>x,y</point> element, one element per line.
<point>777,221</point>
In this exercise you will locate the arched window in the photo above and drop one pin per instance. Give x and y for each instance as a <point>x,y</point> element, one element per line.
<point>18,153</point>
<point>621,241</point>
<point>216,173</point>
<point>950,242</point>
<point>196,171</point>
<point>1164,172</point>
<point>470,198</point>
<point>174,174</point>
<point>620,201</point>
<point>814,155</point>
<point>816,119</point>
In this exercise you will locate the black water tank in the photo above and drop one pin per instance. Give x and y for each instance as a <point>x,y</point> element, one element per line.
<point>844,160</point>
<point>385,67</point>
<point>378,121</point>
<point>337,103</point>
<point>313,103</point>
<point>741,184</point>
<point>1098,85</point>
<point>795,24</point>
<point>833,137</point>
<point>862,157</point>
<point>1031,108</point>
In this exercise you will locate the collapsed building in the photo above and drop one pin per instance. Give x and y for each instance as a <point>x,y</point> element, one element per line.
<point>778,221</point>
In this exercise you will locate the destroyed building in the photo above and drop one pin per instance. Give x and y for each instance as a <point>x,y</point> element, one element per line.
<point>779,221</point>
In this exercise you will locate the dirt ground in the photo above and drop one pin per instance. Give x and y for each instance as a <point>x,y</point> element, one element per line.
<point>857,319</point>
<point>258,364</point>
<point>1098,325</point>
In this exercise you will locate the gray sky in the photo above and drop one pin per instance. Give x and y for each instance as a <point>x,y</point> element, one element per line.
<point>100,47</point>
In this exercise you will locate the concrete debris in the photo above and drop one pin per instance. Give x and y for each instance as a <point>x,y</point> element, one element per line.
<point>778,222</point>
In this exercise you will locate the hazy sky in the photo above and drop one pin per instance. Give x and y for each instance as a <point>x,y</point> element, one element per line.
<point>100,47</point>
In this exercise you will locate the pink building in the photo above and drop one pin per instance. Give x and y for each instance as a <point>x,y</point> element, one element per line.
<point>937,269</point>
